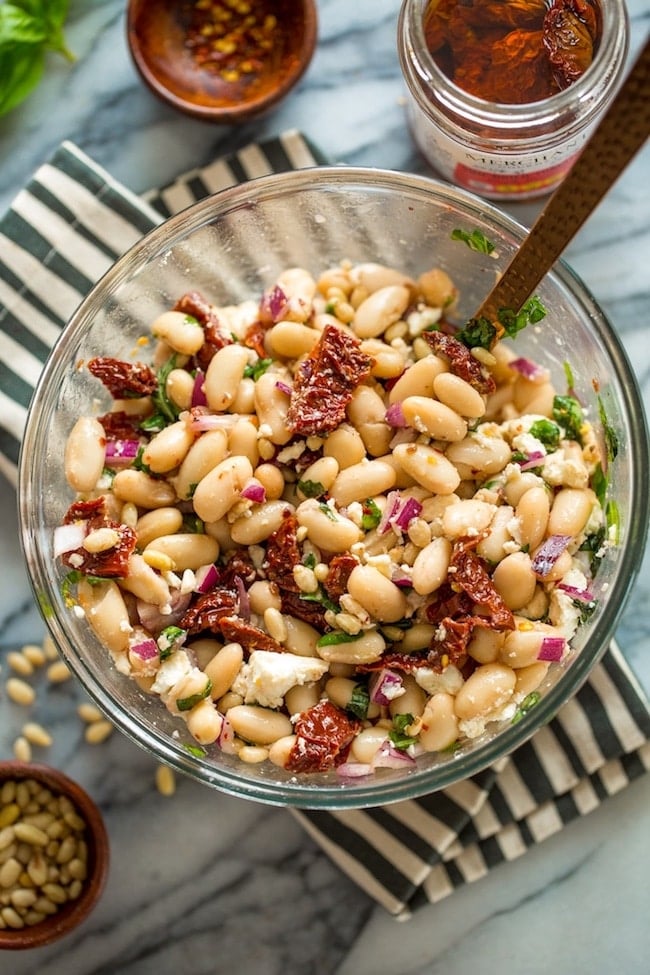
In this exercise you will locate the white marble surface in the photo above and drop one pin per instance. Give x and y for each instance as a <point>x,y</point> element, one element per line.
<point>203,883</point>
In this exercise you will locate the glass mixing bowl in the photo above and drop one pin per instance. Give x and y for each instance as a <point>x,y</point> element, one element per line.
<point>231,247</point>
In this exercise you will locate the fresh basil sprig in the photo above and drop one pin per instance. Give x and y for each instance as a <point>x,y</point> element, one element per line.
<point>28,28</point>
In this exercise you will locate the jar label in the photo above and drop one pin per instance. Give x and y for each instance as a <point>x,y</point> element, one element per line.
<point>497,175</point>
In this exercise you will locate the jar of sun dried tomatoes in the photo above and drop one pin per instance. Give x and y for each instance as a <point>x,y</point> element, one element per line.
<point>502,94</point>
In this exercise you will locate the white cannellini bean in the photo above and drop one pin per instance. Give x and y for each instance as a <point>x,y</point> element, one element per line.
<point>292,339</point>
<point>260,725</point>
<point>362,481</point>
<point>223,376</point>
<point>84,456</point>
<point>488,688</point>
<point>272,406</point>
<point>153,524</point>
<point>515,580</point>
<point>364,650</point>
<point>381,309</point>
<point>433,418</point>
<point>439,723</point>
<point>428,466</point>
<point>168,449</point>
<point>204,454</point>
<point>181,332</point>
<point>468,517</point>
<point>328,530</point>
<point>380,597</point>
<point>106,613</point>
<point>216,493</point>
<point>418,379</point>
<point>187,550</point>
<point>260,522</point>
<point>431,565</point>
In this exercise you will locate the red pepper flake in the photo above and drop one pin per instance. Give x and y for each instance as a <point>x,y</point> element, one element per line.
<point>232,38</point>
<point>323,734</point>
<point>325,382</point>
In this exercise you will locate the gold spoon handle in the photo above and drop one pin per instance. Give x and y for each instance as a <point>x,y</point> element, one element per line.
<point>619,135</point>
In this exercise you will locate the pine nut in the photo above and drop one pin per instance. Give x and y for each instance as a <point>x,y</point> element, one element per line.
<point>36,734</point>
<point>19,662</point>
<point>165,780</point>
<point>58,672</point>
<point>34,654</point>
<point>89,713</point>
<point>20,692</point>
<point>98,731</point>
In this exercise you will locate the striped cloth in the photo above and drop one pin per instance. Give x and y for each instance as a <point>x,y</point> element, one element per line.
<point>61,233</point>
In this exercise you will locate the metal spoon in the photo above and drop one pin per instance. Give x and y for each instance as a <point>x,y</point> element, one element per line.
<point>619,135</point>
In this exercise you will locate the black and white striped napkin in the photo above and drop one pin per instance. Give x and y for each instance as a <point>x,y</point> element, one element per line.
<point>63,230</point>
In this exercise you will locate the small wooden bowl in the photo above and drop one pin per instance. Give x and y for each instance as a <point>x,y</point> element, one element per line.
<point>73,912</point>
<point>200,75</point>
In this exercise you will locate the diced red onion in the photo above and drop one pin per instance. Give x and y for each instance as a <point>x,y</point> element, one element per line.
<point>206,578</point>
<point>529,369</point>
<point>226,738</point>
<point>403,435</point>
<point>353,770</point>
<point>534,459</point>
<point>409,509</point>
<point>121,451</point>
<point>395,415</point>
<point>154,621</point>
<point>548,553</point>
<point>552,648</point>
<point>274,304</point>
<point>404,582</point>
<point>284,387</point>
<point>253,491</point>
<point>198,393</point>
<point>583,595</point>
<point>384,685</point>
<point>145,649</point>
<point>244,601</point>
<point>387,756</point>
<point>202,422</point>
<point>392,506</point>
<point>67,538</point>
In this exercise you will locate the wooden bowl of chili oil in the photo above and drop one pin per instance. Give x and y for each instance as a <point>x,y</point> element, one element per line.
<point>222,60</point>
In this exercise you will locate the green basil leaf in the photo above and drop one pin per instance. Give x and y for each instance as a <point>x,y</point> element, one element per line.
<point>21,69</point>
<point>546,432</point>
<point>359,701</point>
<point>371,514</point>
<point>568,413</point>
<point>335,637</point>
<point>475,240</point>
<point>311,489</point>
<point>478,333</point>
<point>19,27</point>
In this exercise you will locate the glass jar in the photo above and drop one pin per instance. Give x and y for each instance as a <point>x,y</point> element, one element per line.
<point>504,151</point>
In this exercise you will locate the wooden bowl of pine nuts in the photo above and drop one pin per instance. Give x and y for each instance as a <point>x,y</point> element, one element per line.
<point>223,62</point>
<point>54,855</point>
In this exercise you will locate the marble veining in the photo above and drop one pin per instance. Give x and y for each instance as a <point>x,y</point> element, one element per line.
<point>204,883</point>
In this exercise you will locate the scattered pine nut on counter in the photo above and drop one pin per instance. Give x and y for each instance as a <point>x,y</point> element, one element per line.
<point>332,531</point>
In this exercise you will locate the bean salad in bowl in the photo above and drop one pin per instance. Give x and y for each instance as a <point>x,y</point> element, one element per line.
<point>318,535</point>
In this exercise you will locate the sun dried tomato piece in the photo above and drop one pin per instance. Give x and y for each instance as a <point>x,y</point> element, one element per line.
<point>325,382</point>
<point>323,733</point>
<point>119,425</point>
<point>461,361</point>
<point>236,630</point>
<point>254,338</point>
<point>111,563</point>
<point>448,603</point>
<point>470,573</point>
<point>283,553</point>
<point>570,32</point>
<point>85,510</point>
<point>307,610</point>
<point>217,334</point>
<point>239,564</point>
<point>340,570</point>
<point>208,610</point>
<point>123,379</point>
<point>395,660</point>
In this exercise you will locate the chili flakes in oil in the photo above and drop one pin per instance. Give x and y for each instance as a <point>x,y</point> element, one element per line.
<point>231,38</point>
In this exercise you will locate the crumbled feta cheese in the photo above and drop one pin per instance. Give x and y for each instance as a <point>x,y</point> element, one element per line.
<point>267,676</point>
<point>562,470</point>
<point>292,452</point>
<point>171,671</point>
<point>423,317</point>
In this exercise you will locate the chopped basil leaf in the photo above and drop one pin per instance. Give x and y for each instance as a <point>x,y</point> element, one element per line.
<point>611,438</point>
<point>475,240</point>
<point>335,637</point>
<point>451,748</point>
<point>170,639</point>
<point>257,369</point>
<point>531,312</point>
<point>311,489</point>
<point>568,413</point>
<point>528,702</point>
<point>193,524</point>
<point>568,372</point>
<point>371,514</point>
<point>397,735</point>
<point>519,457</point>
<point>600,483</point>
<point>327,511</point>
<point>320,597</point>
<point>187,703</point>
<point>160,399</point>
<point>191,320</point>
<point>593,544</point>
<point>195,750</point>
<point>586,610</point>
<point>546,432</point>
<point>138,464</point>
<point>478,333</point>
<point>109,474</point>
<point>153,424</point>
<point>613,516</point>
<point>73,578</point>
<point>359,701</point>
<point>309,560</point>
